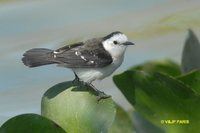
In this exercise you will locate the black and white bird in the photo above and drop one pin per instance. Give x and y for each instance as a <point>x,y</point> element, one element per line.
<point>90,60</point>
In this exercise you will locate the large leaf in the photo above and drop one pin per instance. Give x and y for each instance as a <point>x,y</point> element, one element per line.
<point>191,53</point>
<point>159,97</point>
<point>30,123</point>
<point>192,79</point>
<point>163,66</point>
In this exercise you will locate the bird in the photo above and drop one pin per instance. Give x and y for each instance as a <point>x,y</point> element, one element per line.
<point>90,60</point>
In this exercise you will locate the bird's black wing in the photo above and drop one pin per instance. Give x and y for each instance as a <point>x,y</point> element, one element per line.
<point>68,47</point>
<point>80,56</point>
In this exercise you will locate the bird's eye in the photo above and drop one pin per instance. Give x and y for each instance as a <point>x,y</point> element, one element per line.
<point>115,42</point>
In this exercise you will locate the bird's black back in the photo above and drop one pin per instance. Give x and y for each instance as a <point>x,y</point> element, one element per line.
<point>88,54</point>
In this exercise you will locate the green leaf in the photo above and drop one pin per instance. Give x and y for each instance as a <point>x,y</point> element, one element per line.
<point>76,109</point>
<point>122,123</point>
<point>163,66</point>
<point>30,123</point>
<point>192,79</point>
<point>160,97</point>
<point>126,85</point>
<point>191,53</point>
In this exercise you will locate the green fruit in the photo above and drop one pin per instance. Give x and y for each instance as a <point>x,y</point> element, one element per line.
<point>76,109</point>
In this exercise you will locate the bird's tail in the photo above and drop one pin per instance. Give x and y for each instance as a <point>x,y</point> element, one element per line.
<point>37,57</point>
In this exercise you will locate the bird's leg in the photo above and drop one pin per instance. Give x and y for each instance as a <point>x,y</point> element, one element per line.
<point>100,94</point>
<point>76,78</point>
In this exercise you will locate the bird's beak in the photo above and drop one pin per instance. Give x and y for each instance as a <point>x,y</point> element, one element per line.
<point>128,43</point>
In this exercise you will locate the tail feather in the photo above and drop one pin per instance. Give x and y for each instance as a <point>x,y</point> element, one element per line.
<point>37,57</point>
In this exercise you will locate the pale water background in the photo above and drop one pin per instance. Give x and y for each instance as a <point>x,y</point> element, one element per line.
<point>157,27</point>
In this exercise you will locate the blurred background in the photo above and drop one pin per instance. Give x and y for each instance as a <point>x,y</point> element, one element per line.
<point>157,27</point>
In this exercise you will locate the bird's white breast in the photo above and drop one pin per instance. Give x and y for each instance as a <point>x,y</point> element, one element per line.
<point>91,74</point>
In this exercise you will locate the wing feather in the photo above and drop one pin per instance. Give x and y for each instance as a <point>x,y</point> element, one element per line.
<point>80,56</point>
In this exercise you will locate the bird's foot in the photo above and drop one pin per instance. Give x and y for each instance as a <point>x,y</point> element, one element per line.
<point>100,94</point>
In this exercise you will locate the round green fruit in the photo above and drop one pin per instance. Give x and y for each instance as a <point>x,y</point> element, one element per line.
<point>76,109</point>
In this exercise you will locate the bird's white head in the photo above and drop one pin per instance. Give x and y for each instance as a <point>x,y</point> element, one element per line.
<point>116,44</point>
